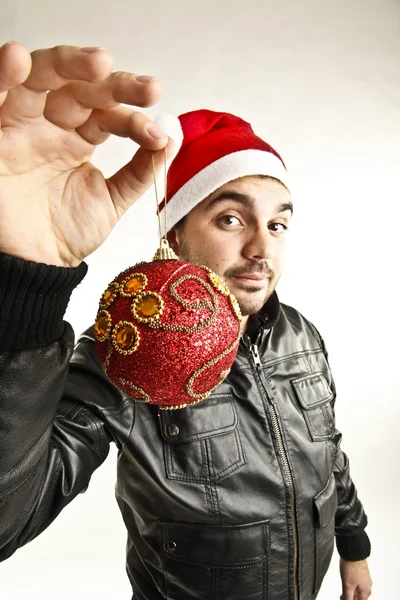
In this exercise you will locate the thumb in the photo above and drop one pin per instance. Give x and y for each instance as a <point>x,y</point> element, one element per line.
<point>128,184</point>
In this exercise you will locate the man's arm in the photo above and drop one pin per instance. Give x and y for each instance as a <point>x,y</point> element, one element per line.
<point>56,208</point>
<point>352,541</point>
<point>55,431</point>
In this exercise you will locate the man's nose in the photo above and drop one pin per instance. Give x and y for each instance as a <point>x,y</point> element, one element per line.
<point>260,245</point>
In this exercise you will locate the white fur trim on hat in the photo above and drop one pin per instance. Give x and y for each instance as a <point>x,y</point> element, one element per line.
<point>225,169</point>
<point>171,125</point>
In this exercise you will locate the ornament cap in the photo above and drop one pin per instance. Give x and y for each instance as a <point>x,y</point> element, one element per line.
<point>164,252</point>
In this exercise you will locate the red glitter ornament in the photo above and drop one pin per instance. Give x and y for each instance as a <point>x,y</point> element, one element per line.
<point>167,332</point>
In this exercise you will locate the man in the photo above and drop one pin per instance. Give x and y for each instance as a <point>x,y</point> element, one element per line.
<point>236,497</point>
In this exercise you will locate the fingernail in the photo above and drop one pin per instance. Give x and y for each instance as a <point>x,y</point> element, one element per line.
<point>145,78</point>
<point>91,49</point>
<point>155,132</point>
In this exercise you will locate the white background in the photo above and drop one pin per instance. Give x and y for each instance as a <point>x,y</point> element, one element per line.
<point>319,80</point>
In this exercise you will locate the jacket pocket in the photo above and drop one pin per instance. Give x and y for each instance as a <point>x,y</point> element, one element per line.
<point>206,562</point>
<point>315,397</point>
<point>325,510</point>
<point>202,442</point>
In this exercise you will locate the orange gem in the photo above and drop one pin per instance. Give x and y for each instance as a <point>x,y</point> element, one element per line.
<point>107,295</point>
<point>101,326</point>
<point>148,307</point>
<point>133,285</point>
<point>110,294</point>
<point>125,337</point>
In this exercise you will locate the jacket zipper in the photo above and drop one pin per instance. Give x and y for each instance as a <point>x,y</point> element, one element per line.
<point>286,468</point>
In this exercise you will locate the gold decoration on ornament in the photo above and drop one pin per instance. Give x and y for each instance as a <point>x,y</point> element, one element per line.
<point>133,284</point>
<point>217,281</point>
<point>125,337</point>
<point>102,325</point>
<point>235,306</point>
<point>224,374</point>
<point>207,365</point>
<point>109,295</point>
<point>144,397</point>
<point>147,307</point>
<point>178,406</point>
<point>109,353</point>
<point>212,307</point>
<point>164,252</point>
<point>221,286</point>
<point>187,303</point>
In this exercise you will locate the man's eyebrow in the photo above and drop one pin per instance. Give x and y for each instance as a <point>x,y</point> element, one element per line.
<point>235,196</point>
<point>245,200</point>
<point>286,206</point>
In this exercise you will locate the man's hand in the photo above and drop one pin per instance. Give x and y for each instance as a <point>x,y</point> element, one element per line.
<point>56,105</point>
<point>356,580</point>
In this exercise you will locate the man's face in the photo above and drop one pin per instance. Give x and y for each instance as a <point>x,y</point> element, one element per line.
<point>239,232</point>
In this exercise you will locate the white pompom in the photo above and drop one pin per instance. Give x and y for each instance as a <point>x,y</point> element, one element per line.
<point>172,127</point>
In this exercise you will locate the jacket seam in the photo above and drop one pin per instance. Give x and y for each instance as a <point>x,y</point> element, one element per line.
<point>94,425</point>
<point>86,415</point>
<point>284,358</point>
<point>128,435</point>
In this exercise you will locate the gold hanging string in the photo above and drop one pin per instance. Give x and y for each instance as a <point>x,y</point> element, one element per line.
<point>153,162</point>
<point>164,252</point>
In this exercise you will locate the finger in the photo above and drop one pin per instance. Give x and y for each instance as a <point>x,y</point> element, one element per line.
<point>54,67</point>
<point>51,69</point>
<point>15,65</point>
<point>70,106</point>
<point>123,122</point>
<point>347,594</point>
<point>135,178</point>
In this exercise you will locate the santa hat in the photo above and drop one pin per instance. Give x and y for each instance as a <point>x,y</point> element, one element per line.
<point>216,148</point>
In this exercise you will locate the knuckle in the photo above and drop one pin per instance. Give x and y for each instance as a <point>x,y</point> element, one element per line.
<point>60,52</point>
<point>138,119</point>
<point>126,89</point>
<point>137,126</point>
<point>122,78</point>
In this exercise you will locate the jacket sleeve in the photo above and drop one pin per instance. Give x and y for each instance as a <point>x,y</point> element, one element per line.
<point>352,541</point>
<point>51,436</point>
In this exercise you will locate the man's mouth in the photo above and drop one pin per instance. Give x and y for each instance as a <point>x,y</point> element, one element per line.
<point>251,277</point>
<point>250,280</point>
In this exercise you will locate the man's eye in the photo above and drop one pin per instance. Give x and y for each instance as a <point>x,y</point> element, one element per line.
<point>229,220</point>
<point>278,227</point>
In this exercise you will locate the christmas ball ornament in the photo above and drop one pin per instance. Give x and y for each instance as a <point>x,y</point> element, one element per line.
<point>167,332</point>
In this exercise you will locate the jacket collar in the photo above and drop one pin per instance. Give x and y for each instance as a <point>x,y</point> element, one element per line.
<point>266,318</point>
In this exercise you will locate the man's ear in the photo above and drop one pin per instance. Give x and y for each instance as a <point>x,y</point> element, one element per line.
<point>173,240</point>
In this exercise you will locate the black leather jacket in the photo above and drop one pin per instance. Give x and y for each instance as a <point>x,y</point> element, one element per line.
<point>234,498</point>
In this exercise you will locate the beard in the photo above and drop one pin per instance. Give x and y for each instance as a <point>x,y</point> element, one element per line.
<point>251,299</point>
<point>251,304</point>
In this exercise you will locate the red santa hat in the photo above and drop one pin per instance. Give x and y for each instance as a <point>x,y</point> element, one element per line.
<point>216,148</point>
